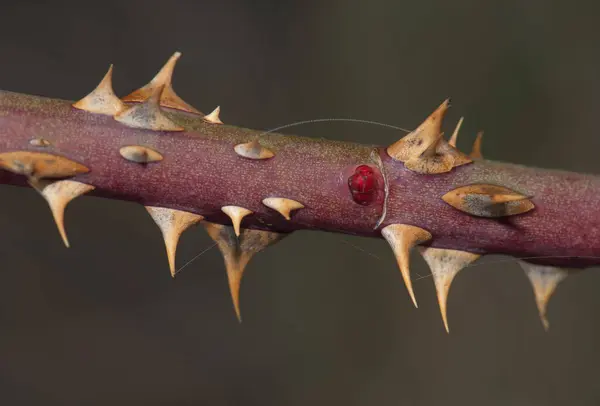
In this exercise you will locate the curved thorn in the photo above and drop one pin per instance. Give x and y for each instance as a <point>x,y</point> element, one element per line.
<point>445,265</point>
<point>402,238</point>
<point>163,78</point>
<point>58,194</point>
<point>148,115</point>
<point>454,137</point>
<point>213,117</point>
<point>102,100</point>
<point>172,224</point>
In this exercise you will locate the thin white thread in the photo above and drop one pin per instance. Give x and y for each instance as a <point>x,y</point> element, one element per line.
<point>320,120</point>
<point>360,249</point>
<point>498,261</point>
<point>193,259</point>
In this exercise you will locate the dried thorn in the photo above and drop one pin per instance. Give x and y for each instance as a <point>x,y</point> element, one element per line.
<point>476,151</point>
<point>164,79</point>
<point>39,142</point>
<point>140,154</point>
<point>172,224</point>
<point>102,100</point>
<point>253,150</point>
<point>237,252</point>
<point>58,194</point>
<point>402,238</point>
<point>424,150</point>
<point>213,117</point>
<point>236,214</point>
<point>454,137</point>
<point>484,200</point>
<point>148,115</point>
<point>444,265</point>
<point>544,280</point>
<point>282,205</point>
<point>414,144</point>
<point>40,165</point>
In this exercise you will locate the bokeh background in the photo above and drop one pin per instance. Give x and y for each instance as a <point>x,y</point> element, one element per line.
<point>327,320</point>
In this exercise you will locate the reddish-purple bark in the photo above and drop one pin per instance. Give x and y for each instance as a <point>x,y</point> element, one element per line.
<point>201,173</point>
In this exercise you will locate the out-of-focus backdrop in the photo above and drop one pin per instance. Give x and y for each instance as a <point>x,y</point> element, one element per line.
<point>327,319</point>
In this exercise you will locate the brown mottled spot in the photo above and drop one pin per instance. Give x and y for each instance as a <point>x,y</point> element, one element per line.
<point>484,200</point>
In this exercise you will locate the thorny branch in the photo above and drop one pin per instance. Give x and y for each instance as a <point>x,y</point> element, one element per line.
<point>250,189</point>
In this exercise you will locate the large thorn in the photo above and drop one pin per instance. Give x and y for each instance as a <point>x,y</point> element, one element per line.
<point>236,214</point>
<point>414,144</point>
<point>148,115</point>
<point>282,205</point>
<point>163,78</point>
<point>172,224</point>
<point>213,117</point>
<point>102,100</point>
<point>237,252</point>
<point>454,137</point>
<point>544,280</point>
<point>424,150</point>
<point>40,165</point>
<point>444,265</point>
<point>58,194</point>
<point>485,200</point>
<point>402,238</point>
<point>253,150</point>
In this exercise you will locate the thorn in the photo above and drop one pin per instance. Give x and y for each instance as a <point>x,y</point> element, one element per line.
<point>422,138</point>
<point>102,100</point>
<point>164,78</point>
<point>282,205</point>
<point>444,265</point>
<point>172,224</point>
<point>140,154</point>
<point>148,115</point>
<point>424,150</point>
<point>544,280</point>
<point>253,150</point>
<point>484,200</point>
<point>58,194</point>
<point>454,137</point>
<point>236,214</point>
<point>431,161</point>
<point>213,117</point>
<point>402,238</point>
<point>430,165</point>
<point>40,165</point>
<point>476,151</point>
<point>237,252</point>
<point>431,150</point>
<point>39,142</point>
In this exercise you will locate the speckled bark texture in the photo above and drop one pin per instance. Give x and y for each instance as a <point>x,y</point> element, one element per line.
<point>201,173</point>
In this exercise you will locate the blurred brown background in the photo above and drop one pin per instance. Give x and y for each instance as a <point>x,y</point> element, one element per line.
<point>327,320</point>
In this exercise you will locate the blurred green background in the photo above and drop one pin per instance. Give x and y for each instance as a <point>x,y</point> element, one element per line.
<point>327,320</point>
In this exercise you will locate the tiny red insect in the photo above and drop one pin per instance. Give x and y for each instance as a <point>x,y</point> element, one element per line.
<point>363,185</point>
